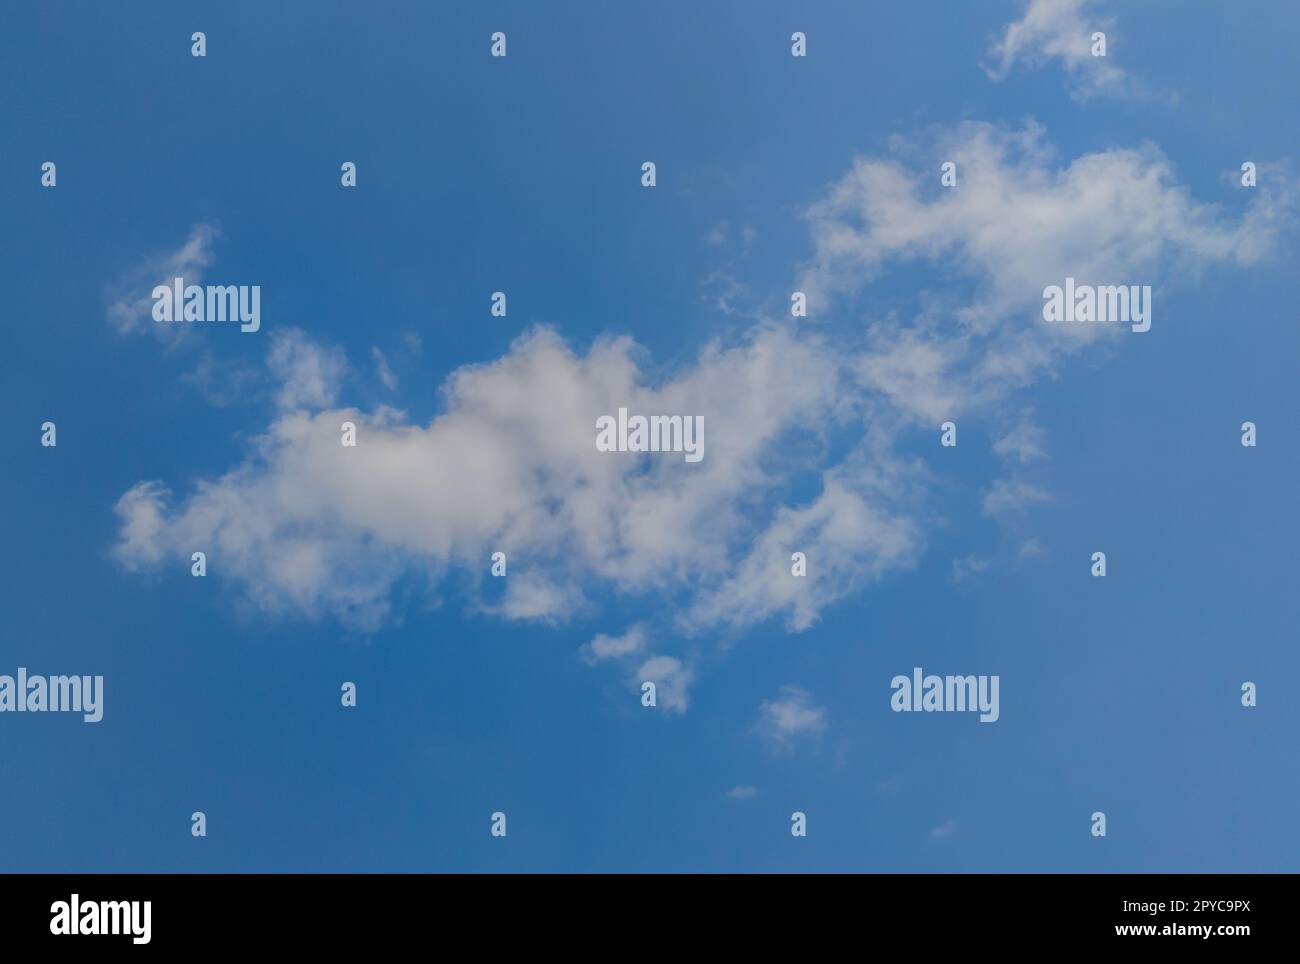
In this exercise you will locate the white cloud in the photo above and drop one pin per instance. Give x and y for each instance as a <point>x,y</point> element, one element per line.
<point>671,676</point>
<point>309,525</point>
<point>143,538</point>
<point>1061,31</point>
<point>1012,495</point>
<point>672,679</point>
<point>1018,221</point>
<point>1024,442</point>
<point>130,308</point>
<point>308,374</point>
<point>383,370</point>
<point>743,792</point>
<point>533,596</point>
<point>604,647</point>
<point>309,528</point>
<point>791,717</point>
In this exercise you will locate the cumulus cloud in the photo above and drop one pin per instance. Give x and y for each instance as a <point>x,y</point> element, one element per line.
<point>308,374</point>
<point>1061,31</point>
<point>852,536</point>
<point>789,718</point>
<point>1020,219</point>
<point>672,679</point>
<point>130,300</point>
<point>801,422</point>
<point>311,525</point>
<point>604,647</point>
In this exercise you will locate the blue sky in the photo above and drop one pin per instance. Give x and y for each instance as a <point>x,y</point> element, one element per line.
<point>775,174</point>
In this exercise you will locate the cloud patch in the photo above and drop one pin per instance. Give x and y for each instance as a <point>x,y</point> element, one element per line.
<point>1060,31</point>
<point>804,420</point>
<point>790,718</point>
<point>130,299</point>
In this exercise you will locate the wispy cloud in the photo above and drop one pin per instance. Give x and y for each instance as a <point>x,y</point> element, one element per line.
<point>718,234</point>
<point>963,569</point>
<point>945,830</point>
<point>309,375</point>
<point>1023,442</point>
<point>1061,31</point>
<point>604,647</point>
<point>383,370</point>
<point>789,718</point>
<point>672,678</point>
<point>1019,220</point>
<point>1011,495</point>
<point>130,301</point>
